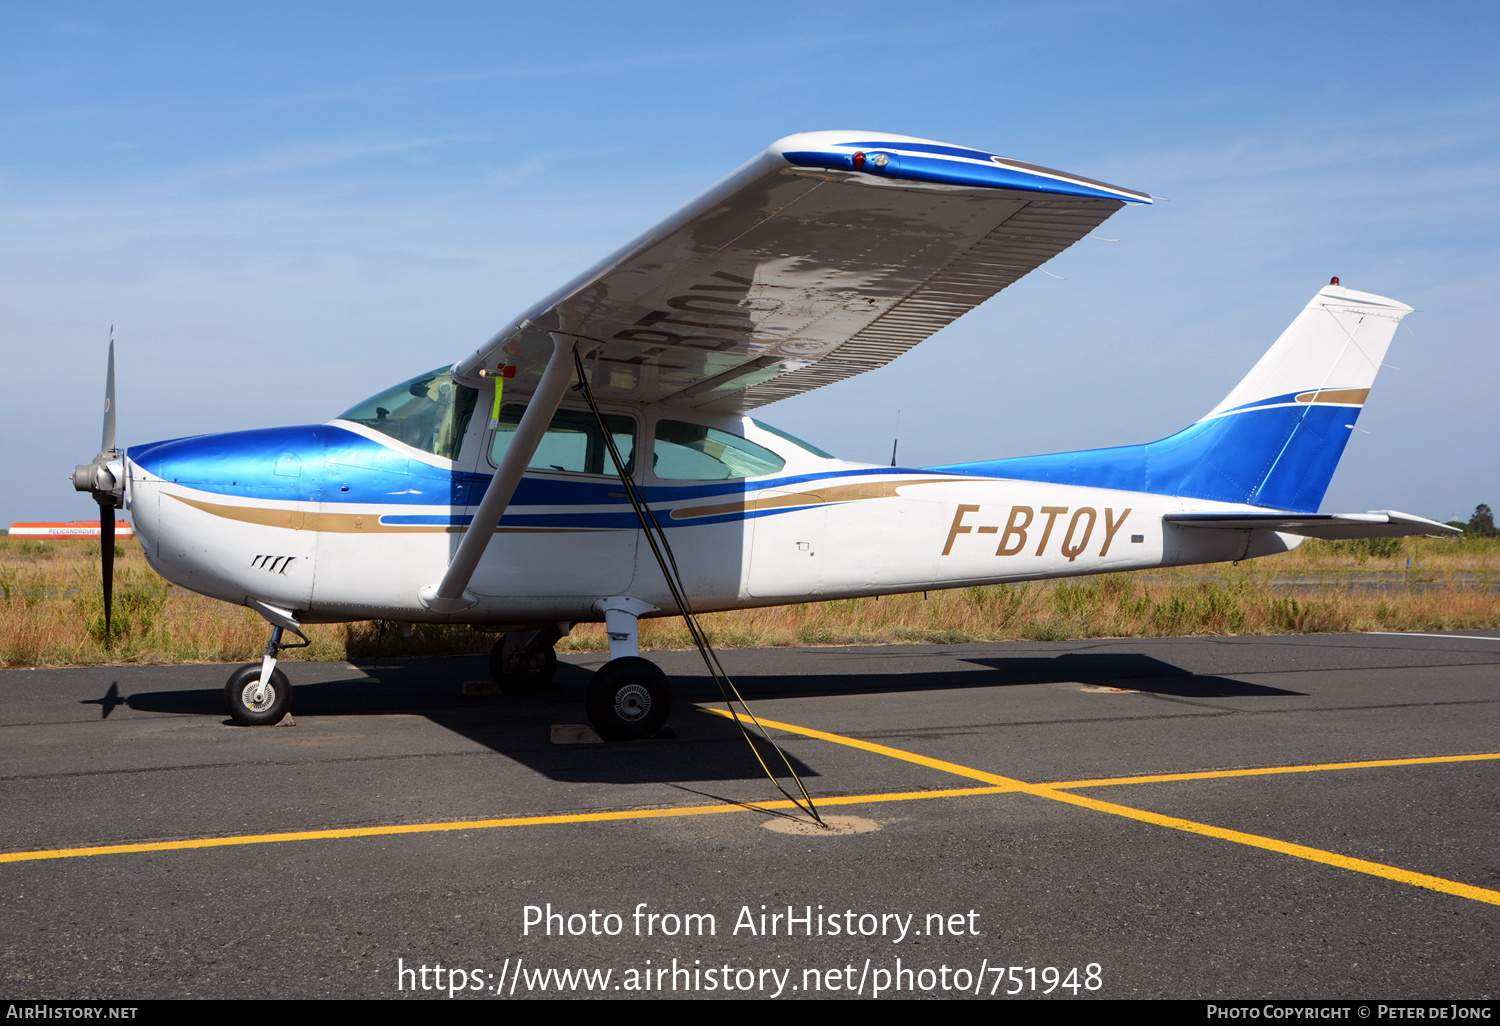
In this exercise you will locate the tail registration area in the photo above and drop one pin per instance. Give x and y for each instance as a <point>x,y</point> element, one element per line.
<point>1072,542</point>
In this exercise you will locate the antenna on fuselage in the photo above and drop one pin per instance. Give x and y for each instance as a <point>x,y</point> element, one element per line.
<point>896,438</point>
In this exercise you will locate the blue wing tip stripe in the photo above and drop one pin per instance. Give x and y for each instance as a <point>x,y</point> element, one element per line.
<point>920,160</point>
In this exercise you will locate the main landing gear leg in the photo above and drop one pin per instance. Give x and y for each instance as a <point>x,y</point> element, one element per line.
<point>628,698</point>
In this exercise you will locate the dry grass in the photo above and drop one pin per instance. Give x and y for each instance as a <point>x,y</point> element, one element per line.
<point>51,613</point>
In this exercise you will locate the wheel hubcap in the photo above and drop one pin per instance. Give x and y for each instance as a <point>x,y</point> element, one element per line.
<point>519,662</point>
<point>632,703</point>
<point>247,697</point>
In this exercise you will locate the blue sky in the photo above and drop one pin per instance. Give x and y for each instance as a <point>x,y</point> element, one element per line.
<point>285,208</point>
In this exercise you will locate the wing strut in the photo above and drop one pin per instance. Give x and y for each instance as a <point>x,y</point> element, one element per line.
<point>662,549</point>
<point>450,595</point>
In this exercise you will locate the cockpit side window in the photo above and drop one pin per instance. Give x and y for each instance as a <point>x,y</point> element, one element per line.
<point>692,452</point>
<point>573,442</point>
<point>430,412</point>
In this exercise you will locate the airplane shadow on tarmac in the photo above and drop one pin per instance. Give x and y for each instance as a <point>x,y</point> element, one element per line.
<point>694,747</point>
<point>1129,670</point>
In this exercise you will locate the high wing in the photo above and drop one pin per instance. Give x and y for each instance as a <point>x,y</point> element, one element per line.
<point>830,254</point>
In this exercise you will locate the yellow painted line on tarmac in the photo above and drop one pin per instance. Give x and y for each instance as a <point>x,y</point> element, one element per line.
<point>1009,783</point>
<point>1414,634</point>
<point>483,824</point>
<point>1160,778</point>
<point>997,785</point>
<point>1327,858</point>
<point>1054,792</point>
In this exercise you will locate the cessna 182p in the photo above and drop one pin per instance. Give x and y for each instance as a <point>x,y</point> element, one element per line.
<point>828,255</point>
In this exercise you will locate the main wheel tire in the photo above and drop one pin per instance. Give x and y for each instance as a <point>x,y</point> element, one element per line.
<point>628,699</point>
<point>517,670</point>
<point>239,697</point>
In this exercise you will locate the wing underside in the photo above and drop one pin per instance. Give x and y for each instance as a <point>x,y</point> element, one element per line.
<point>829,255</point>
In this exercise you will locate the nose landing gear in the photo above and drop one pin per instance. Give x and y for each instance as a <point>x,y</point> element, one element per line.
<point>252,705</point>
<point>258,694</point>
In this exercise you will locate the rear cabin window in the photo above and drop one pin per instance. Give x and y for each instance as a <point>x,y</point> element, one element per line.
<point>692,452</point>
<point>572,444</point>
<point>794,440</point>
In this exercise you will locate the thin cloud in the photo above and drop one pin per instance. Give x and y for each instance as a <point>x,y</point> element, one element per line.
<point>299,156</point>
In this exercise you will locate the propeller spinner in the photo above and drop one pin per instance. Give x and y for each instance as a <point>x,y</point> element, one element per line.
<point>104,478</point>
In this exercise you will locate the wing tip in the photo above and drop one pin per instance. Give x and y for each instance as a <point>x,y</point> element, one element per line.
<point>910,158</point>
<point>1348,295</point>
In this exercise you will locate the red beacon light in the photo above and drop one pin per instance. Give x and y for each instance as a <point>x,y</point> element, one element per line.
<point>1333,280</point>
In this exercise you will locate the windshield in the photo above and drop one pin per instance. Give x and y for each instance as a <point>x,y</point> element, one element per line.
<point>429,412</point>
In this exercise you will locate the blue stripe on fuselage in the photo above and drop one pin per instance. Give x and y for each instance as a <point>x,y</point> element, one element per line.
<point>330,464</point>
<point>1280,457</point>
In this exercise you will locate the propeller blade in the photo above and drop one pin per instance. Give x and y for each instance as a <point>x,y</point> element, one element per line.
<point>108,490</point>
<point>107,563</point>
<point>108,441</point>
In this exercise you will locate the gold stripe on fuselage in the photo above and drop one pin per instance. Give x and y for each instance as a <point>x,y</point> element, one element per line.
<point>365,523</point>
<point>1336,396</point>
<point>820,497</point>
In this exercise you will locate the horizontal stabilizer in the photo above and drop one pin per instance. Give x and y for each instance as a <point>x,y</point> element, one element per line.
<point>1328,526</point>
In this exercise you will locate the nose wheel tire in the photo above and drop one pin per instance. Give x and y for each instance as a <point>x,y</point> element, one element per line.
<point>628,699</point>
<point>240,700</point>
<point>518,670</point>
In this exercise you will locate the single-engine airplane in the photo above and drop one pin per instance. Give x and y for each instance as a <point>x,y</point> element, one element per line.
<point>828,255</point>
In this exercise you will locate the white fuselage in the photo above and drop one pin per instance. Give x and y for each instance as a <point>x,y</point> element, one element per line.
<point>337,542</point>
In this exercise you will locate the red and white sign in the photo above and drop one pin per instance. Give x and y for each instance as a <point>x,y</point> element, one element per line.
<point>72,529</point>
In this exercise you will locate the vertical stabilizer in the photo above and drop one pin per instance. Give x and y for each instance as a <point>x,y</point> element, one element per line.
<point>1275,439</point>
<point>1301,399</point>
